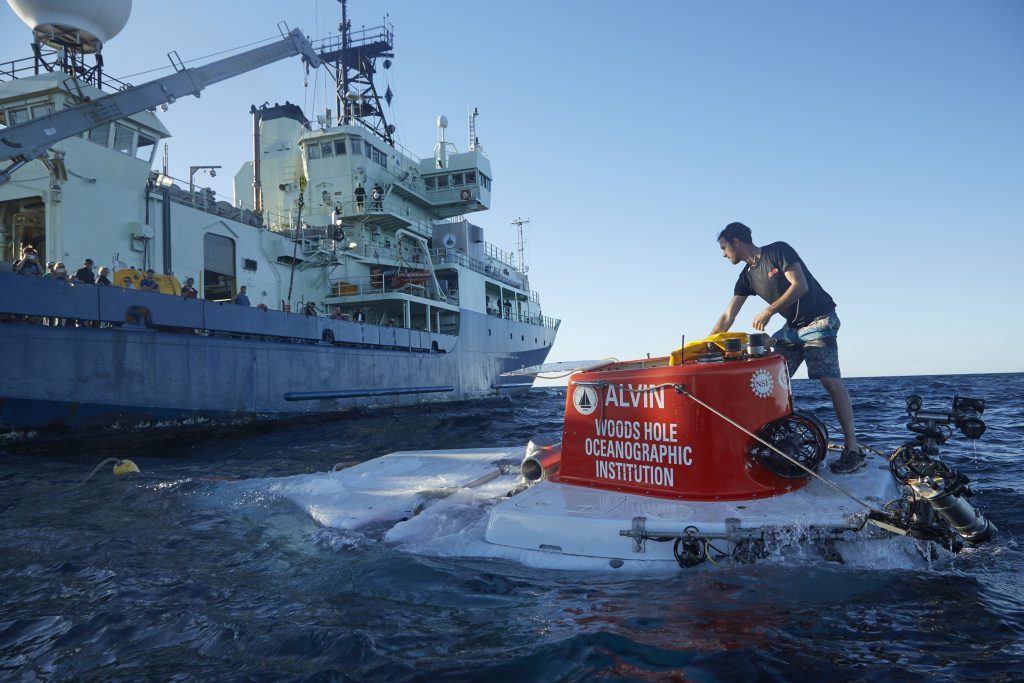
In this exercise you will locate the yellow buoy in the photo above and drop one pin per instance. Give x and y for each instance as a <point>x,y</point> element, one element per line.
<point>123,467</point>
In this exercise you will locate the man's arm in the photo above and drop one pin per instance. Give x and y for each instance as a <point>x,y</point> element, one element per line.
<point>727,318</point>
<point>797,288</point>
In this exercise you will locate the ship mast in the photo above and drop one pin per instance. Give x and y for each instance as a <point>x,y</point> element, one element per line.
<point>521,243</point>
<point>354,56</point>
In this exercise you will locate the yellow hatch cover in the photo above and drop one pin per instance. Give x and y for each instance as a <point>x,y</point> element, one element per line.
<point>695,348</point>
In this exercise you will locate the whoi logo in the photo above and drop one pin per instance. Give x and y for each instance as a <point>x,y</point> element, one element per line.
<point>585,400</point>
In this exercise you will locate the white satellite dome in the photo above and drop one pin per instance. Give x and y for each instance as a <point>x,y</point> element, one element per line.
<point>83,24</point>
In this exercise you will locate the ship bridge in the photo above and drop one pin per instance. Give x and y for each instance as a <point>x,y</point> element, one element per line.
<point>339,160</point>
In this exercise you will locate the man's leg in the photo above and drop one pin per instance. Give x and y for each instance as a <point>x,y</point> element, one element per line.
<point>821,351</point>
<point>844,411</point>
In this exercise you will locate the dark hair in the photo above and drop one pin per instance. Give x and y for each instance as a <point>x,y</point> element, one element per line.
<point>736,231</point>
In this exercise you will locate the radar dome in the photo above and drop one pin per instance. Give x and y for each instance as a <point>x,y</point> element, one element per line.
<point>81,24</point>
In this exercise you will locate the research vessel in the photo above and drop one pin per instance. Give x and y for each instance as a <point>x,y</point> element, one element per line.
<point>367,284</point>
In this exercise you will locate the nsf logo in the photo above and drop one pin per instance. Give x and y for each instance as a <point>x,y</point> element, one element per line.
<point>585,400</point>
<point>762,384</point>
<point>448,240</point>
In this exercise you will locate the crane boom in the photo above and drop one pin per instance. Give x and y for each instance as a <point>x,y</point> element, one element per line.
<point>27,141</point>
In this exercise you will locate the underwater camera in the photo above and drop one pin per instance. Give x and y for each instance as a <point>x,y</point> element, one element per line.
<point>966,416</point>
<point>936,492</point>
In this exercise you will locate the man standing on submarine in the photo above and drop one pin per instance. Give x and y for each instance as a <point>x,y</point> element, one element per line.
<point>777,274</point>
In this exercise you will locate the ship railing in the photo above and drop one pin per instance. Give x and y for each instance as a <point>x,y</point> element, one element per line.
<point>385,33</point>
<point>26,299</point>
<point>413,282</point>
<point>325,124</point>
<point>456,257</point>
<point>384,249</point>
<point>506,257</point>
<point>29,66</point>
<point>524,317</point>
<point>206,200</point>
<point>353,217</point>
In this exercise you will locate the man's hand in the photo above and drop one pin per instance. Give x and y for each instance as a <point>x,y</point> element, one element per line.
<point>761,319</point>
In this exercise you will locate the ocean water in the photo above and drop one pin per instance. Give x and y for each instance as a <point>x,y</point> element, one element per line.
<point>208,566</point>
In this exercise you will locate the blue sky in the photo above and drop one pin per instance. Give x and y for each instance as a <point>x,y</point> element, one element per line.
<point>881,139</point>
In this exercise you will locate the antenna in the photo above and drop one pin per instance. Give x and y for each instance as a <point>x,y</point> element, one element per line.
<point>440,153</point>
<point>521,243</point>
<point>354,56</point>
<point>473,139</point>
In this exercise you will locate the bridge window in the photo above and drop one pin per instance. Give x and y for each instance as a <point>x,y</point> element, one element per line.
<point>356,147</point>
<point>123,139</point>
<point>367,149</point>
<point>470,177</point>
<point>313,151</point>
<point>458,179</point>
<point>100,135</point>
<point>41,110</point>
<point>377,155</point>
<point>442,181</point>
<point>326,149</point>
<point>430,182</point>
<point>339,147</point>
<point>145,148</point>
<point>19,116</point>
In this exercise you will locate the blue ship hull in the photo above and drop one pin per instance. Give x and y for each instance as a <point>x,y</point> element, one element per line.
<point>140,357</point>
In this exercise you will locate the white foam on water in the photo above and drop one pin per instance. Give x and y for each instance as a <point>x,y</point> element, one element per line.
<point>451,522</point>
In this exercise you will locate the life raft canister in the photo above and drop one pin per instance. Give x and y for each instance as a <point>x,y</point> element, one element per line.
<point>168,283</point>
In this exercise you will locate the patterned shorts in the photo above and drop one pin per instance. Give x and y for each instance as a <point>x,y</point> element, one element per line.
<point>815,343</point>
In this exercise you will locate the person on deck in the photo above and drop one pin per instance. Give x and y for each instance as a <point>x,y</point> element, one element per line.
<point>60,272</point>
<point>148,282</point>
<point>242,299</point>
<point>85,274</point>
<point>28,264</point>
<point>777,274</point>
<point>360,194</point>
<point>189,291</point>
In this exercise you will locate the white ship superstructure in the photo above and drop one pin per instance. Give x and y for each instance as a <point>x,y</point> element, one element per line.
<point>367,283</point>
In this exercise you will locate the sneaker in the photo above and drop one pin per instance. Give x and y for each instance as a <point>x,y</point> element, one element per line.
<point>848,462</point>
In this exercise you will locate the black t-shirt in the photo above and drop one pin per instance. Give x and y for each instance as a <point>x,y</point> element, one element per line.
<point>85,274</point>
<point>767,280</point>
